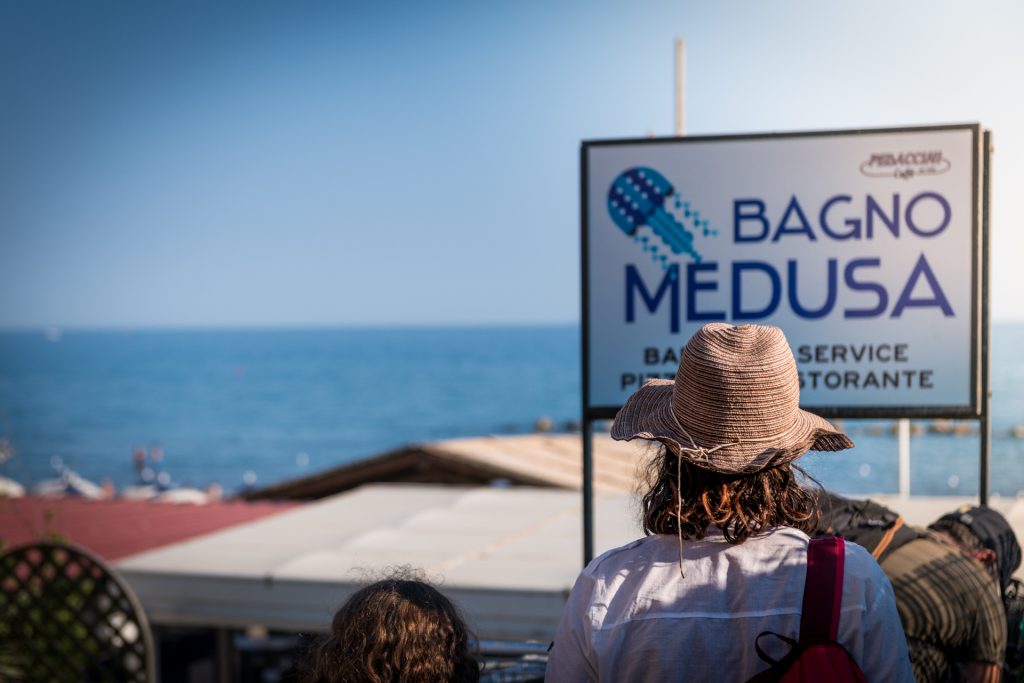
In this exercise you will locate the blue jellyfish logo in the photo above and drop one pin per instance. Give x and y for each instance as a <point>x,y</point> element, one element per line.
<point>638,198</point>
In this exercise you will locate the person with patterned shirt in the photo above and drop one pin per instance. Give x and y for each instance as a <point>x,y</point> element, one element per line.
<point>948,580</point>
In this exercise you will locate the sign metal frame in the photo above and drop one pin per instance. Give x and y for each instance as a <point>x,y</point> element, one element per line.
<point>978,406</point>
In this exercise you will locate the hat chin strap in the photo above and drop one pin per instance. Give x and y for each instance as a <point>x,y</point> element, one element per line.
<point>701,453</point>
<point>679,508</point>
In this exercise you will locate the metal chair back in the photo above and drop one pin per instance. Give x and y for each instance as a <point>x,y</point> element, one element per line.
<point>67,616</point>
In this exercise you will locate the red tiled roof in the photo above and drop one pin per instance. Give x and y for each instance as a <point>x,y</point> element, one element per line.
<point>117,528</point>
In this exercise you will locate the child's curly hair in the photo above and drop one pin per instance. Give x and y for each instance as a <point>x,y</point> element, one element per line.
<point>394,630</point>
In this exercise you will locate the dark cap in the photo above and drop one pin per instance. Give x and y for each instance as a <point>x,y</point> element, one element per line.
<point>991,530</point>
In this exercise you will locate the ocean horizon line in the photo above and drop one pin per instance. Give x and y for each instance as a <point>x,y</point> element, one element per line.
<point>354,327</point>
<point>50,330</point>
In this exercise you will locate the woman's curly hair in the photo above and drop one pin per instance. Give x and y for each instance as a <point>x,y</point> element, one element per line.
<point>742,505</point>
<point>395,630</point>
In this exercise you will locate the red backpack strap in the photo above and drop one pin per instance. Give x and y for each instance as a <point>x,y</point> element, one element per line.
<point>823,591</point>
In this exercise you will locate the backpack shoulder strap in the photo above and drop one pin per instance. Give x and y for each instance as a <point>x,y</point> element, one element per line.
<point>823,590</point>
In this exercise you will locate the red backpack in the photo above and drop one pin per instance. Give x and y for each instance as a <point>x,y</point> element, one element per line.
<point>817,656</point>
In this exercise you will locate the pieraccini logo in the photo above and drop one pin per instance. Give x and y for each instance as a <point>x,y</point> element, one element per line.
<point>905,165</point>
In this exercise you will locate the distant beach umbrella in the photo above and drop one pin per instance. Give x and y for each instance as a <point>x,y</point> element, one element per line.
<point>70,483</point>
<point>144,492</point>
<point>10,488</point>
<point>183,496</point>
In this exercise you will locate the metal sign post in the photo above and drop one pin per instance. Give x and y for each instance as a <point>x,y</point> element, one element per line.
<point>588,491</point>
<point>985,419</point>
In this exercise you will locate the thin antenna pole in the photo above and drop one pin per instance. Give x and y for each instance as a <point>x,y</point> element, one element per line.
<point>680,86</point>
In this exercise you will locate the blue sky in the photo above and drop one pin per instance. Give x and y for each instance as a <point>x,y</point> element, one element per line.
<point>277,164</point>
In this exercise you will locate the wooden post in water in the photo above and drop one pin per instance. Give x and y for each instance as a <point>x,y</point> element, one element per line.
<point>903,429</point>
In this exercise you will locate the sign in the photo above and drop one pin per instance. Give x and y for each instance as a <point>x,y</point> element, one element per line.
<point>865,247</point>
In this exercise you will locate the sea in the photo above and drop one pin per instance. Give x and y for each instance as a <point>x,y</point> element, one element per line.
<point>247,408</point>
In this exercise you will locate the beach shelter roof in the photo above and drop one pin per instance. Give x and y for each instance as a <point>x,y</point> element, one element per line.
<point>521,460</point>
<point>508,556</point>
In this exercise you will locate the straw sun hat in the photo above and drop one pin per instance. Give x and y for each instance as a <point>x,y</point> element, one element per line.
<point>734,406</point>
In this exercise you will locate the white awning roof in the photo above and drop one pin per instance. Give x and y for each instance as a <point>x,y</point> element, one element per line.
<point>507,556</point>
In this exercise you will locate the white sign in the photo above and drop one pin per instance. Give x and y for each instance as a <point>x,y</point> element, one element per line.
<point>864,247</point>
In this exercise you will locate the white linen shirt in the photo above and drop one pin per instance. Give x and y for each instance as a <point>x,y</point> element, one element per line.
<point>632,617</point>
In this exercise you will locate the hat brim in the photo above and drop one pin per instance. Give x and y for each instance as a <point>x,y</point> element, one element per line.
<point>648,414</point>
